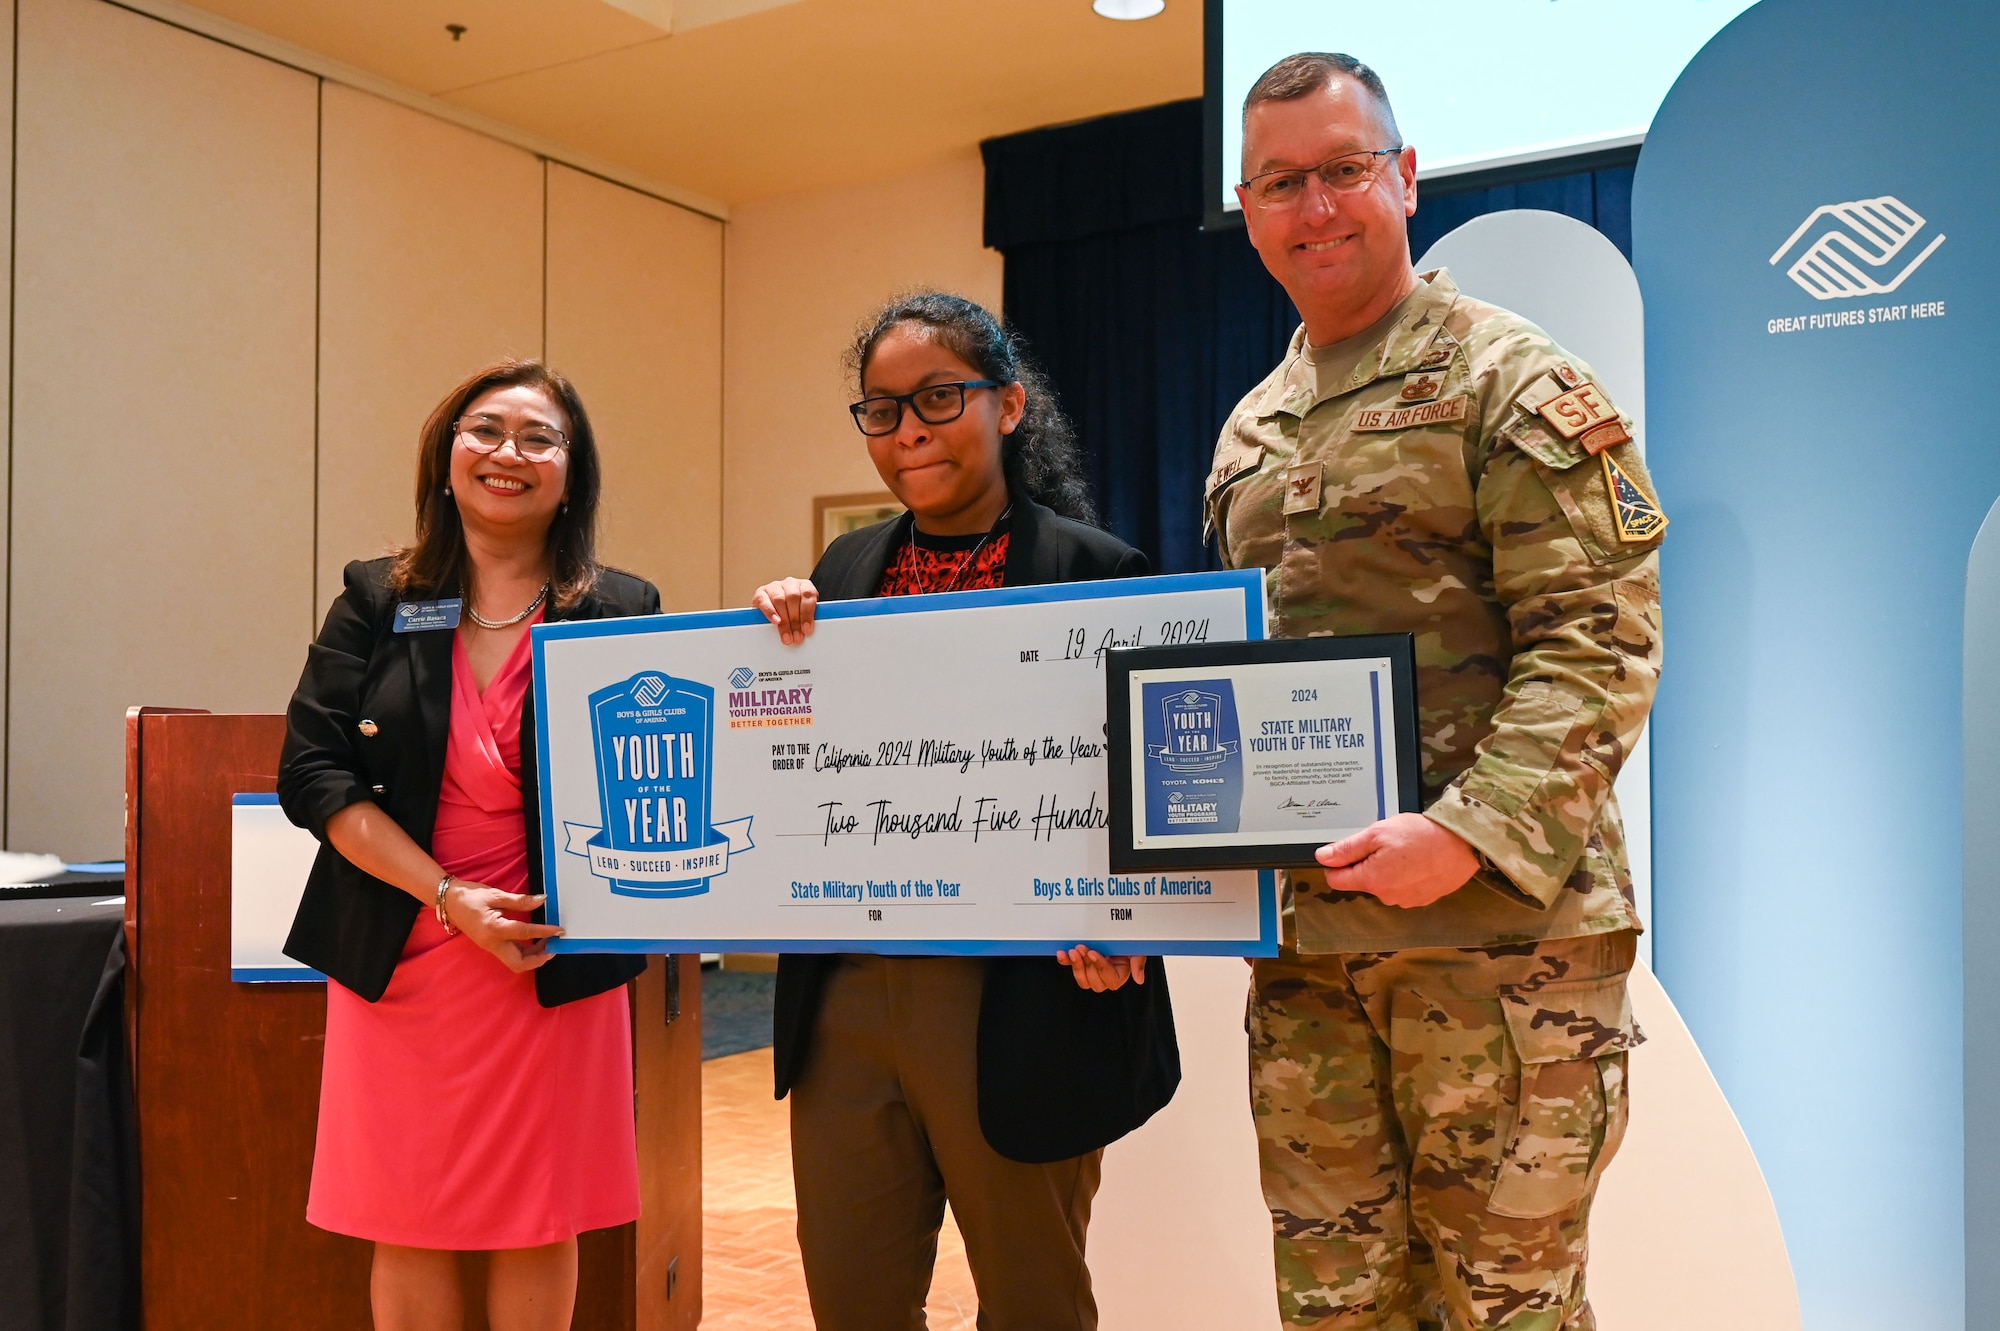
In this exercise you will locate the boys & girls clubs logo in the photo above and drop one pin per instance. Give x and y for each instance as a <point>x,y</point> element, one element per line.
<point>1848,251</point>
<point>653,736</point>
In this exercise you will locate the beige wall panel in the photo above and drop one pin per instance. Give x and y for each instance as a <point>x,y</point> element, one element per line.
<point>803,270</point>
<point>430,266</point>
<point>162,513</point>
<point>635,321</point>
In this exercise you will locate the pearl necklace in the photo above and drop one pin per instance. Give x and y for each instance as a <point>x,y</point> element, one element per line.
<point>533,605</point>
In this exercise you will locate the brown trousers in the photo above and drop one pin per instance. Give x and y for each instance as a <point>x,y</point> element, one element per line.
<point>885,1129</point>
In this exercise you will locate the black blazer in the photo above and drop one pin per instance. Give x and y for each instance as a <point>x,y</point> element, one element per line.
<point>352,926</point>
<point>1062,1070</point>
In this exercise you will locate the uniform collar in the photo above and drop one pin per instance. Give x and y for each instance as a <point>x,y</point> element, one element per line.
<point>1394,344</point>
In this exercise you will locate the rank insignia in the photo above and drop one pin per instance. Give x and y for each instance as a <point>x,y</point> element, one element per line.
<point>1600,437</point>
<point>1421,386</point>
<point>1567,376</point>
<point>1577,410</point>
<point>1302,487</point>
<point>1638,513</point>
<point>1438,354</point>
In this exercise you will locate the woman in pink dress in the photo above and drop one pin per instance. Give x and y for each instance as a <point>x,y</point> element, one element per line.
<point>477,1089</point>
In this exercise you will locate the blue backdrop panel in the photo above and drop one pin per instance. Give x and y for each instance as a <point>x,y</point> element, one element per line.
<point>1982,926</point>
<point>1816,387</point>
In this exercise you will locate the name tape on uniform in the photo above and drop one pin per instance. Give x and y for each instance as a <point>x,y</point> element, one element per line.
<point>1402,418</point>
<point>1241,462</point>
<point>1577,410</point>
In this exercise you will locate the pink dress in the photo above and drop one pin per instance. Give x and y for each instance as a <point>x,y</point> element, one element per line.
<point>458,1112</point>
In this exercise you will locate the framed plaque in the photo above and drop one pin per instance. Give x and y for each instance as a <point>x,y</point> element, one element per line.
<point>1241,754</point>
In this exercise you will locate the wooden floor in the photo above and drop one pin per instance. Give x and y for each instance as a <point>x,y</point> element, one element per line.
<point>750,1252</point>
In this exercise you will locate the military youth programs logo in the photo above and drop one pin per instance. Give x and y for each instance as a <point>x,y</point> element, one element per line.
<point>652,736</point>
<point>1857,244</point>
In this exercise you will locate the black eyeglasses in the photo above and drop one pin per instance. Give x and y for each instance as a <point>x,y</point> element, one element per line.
<point>934,404</point>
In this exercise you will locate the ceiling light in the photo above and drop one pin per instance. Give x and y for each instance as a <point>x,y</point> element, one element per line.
<point>1128,9</point>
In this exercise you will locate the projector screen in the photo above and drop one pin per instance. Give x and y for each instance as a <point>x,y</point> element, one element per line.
<point>1474,83</point>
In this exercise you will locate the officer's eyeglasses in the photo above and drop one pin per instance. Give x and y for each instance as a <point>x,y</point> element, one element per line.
<point>535,443</point>
<point>1345,174</point>
<point>935,404</point>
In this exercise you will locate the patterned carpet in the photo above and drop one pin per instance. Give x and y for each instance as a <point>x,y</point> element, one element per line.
<point>735,1011</point>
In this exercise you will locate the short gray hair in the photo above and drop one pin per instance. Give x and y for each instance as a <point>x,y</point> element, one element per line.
<point>1309,71</point>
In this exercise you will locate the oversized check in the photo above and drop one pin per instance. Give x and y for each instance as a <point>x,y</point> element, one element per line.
<point>924,774</point>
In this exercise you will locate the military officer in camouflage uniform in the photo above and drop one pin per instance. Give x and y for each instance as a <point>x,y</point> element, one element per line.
<point>1438,1056</point>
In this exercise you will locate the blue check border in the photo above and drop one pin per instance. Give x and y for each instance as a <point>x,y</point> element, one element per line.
<point>1249,582</point>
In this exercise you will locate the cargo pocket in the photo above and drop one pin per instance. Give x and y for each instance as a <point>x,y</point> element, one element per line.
<point>1571,1039</point>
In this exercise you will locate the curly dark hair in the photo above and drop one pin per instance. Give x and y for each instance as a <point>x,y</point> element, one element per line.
<point>435,561</point>
<point>1040,458</point>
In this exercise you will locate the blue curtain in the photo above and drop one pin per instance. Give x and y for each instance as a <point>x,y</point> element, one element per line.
<point>1150,329</point>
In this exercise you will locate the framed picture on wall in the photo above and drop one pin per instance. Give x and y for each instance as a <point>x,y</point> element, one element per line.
<point>836,515</point>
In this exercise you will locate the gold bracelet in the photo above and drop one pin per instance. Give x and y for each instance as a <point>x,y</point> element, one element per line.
<point>444,885</point>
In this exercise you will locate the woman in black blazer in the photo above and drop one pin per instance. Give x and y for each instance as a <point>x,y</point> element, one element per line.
<point>477,1088</point>
<point>993,1083</point>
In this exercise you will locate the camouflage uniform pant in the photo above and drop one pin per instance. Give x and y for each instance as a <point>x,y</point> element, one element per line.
<point>1431,1124</point>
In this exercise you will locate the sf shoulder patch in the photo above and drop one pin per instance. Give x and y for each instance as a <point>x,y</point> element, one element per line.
<point>1577,410</point>
<point>1638,514</point>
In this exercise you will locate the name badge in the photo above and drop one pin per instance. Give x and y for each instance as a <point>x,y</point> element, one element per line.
<point>423,616</point>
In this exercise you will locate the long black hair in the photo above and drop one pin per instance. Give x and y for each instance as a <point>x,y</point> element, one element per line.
<point>1040,457</point>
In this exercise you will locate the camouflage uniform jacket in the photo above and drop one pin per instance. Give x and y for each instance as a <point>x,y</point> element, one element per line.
<point>1440,474</point>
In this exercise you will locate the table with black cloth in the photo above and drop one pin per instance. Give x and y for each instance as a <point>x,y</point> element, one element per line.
<point>69,1193</point>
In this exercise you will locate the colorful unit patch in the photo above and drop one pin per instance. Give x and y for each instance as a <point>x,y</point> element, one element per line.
<point>1639,516</point>
<point>1577,410</point>
<point>1402,418</point>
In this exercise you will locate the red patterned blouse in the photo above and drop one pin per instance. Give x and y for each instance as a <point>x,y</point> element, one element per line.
<point>946,563</point>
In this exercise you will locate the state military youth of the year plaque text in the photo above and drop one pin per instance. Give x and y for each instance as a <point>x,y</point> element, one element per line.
<point>1258,753</point>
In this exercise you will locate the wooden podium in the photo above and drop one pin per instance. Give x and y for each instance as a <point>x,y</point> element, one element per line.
<point>226,1082</point>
